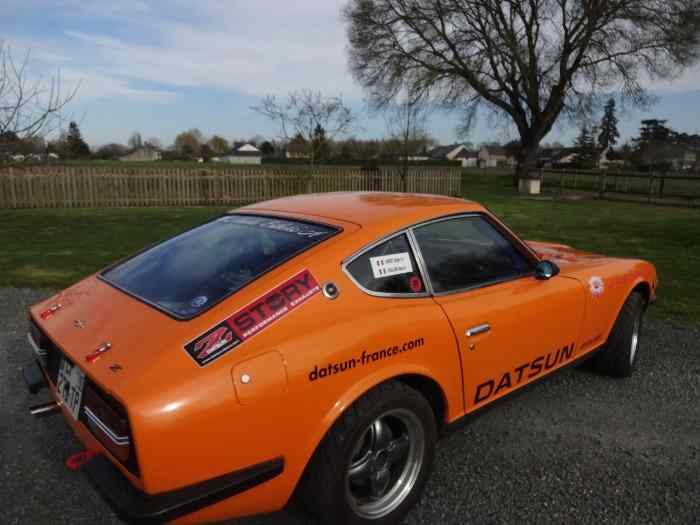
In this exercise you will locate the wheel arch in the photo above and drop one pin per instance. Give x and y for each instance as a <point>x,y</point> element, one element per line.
<point>431,391</point>
<point>419,379</point>
<point>644,288</point>
<point>639,284</point>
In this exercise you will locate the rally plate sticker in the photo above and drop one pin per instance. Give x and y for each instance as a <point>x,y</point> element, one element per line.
<point>253,318</point>
<point>388,265</point>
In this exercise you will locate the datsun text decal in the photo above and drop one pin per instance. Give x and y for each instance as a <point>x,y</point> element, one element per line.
<point>251,319</point>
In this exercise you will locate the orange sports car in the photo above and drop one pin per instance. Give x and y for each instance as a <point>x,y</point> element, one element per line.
<point>316,346</point>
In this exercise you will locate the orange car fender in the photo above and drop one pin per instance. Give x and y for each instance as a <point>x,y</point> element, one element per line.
<point>638,279</point>
<point>357,390</point>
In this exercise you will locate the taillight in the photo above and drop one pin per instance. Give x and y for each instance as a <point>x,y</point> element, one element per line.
<point>108,423</point>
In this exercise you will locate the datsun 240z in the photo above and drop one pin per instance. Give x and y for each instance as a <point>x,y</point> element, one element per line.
<point>317,346</point>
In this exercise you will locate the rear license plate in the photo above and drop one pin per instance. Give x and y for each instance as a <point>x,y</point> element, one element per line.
<point>70,386</point>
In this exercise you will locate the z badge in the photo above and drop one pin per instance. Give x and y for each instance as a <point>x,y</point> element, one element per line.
<point>214,343</point>
<point>253,318</point>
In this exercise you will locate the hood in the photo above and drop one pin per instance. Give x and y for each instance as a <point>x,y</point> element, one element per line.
<point>566,257</point>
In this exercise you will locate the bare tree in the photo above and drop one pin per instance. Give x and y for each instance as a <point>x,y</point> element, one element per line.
<point>406,120</point>
<point>135,140</point>
<point>154,142</point>
<point>302,112</point>
<point>29,106</point>
<point>531,60</point>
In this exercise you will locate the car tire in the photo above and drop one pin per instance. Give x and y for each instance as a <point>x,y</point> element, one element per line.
<point>372,465</point>
<point>619,355</point>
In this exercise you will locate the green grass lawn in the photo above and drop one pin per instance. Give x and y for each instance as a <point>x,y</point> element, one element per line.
<point>53,248</point>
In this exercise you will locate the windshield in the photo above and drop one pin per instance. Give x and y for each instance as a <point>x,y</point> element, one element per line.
<point>195,270</point>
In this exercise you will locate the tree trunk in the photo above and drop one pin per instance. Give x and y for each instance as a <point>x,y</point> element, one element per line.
<point>404,171</point>
<point>527,162</point>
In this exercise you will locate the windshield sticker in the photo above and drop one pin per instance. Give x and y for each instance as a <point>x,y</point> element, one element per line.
<point>253,318</point>
<point>301,229</point>
<point>388,265</point>
<point>198,302</point>
<point>597,286</point>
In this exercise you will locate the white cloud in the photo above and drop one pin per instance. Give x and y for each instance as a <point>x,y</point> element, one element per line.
<point>94,86</point>
<point>249,48</point>
<point>689,80</point>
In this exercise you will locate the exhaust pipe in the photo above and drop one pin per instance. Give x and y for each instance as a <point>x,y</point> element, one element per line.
<point>45,409</point>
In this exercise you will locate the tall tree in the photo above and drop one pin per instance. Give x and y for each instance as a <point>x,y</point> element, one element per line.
<point>76,147</point>
<point>609,133</point>
<point>586,146</point>
<point>303,111</point>
<point>189,143</point>
<point>218,145</point>
<point>530,60</point>
<point>406,121</point>
<point>319,144</point>
<point>267,148</point>
<point>654,130</point>
<point>654,144</point>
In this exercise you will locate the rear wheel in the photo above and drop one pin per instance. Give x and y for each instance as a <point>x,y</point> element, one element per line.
<point>374,462</point>
<point>619,356</point>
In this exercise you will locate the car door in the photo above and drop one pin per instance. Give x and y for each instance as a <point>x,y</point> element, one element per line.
<point>511,328</point>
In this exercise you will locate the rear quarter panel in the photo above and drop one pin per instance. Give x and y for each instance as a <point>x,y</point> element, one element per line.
<point>208,422</point>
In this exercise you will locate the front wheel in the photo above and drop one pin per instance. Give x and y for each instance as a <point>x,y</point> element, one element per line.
<point>619,356</point>
<point>372,465</point>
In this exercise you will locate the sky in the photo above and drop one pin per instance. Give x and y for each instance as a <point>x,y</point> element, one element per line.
<point>163,67</point>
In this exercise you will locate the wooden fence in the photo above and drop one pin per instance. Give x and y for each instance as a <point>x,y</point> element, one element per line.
<point>67,187</point>
<point>650,187</point>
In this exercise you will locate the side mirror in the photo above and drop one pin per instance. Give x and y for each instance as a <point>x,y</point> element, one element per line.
<point>545,270</point>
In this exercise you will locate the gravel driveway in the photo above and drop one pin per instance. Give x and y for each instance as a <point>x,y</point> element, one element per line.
<point>577,448</point>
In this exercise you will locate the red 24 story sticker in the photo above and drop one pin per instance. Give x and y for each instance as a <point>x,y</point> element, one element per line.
<point>253,318</point>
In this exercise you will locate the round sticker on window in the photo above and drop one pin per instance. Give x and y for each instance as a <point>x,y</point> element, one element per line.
<point>416,284</point>
<point>198,302</point>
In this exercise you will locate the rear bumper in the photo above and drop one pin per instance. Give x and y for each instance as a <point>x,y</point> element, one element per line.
<point>134,505</point>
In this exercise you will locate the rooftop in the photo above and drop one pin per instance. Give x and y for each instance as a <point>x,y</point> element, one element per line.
<point>379,209</point>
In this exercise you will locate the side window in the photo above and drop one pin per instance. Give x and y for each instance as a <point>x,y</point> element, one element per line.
<point>388,268</point>
<point>468,251</point>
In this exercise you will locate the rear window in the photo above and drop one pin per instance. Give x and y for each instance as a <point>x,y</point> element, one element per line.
<point>190,273</point>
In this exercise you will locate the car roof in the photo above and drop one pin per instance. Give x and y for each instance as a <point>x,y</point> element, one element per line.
<point>369,209</point>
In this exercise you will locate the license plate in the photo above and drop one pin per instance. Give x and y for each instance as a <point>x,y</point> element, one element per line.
<point>70,386</point>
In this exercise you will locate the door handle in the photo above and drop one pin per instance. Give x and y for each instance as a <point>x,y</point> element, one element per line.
<point>477,330</point>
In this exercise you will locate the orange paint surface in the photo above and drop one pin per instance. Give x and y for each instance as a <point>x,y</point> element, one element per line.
<point>278,392</point>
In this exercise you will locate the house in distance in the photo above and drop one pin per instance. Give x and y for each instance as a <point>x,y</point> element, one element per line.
<point>143,153</point>
<point>243,154</point>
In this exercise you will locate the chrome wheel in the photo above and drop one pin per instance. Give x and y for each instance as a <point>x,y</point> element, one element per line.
<point>385,463</point>
<point>635,338</point>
